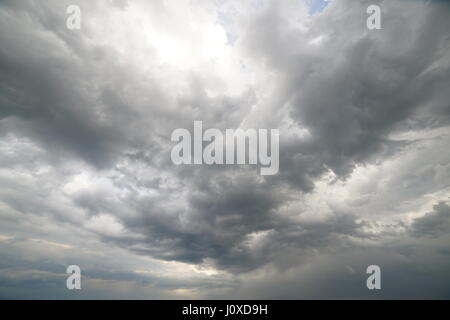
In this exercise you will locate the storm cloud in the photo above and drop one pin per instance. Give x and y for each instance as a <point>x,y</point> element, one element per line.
<point>86,176</point>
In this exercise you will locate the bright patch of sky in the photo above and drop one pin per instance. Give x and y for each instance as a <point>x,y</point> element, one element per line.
<point>316,6</point>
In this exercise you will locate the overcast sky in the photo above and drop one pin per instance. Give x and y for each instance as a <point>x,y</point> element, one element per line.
<point>86,177</point>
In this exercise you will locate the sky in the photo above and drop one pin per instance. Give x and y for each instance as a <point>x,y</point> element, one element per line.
<point>86,176</point>
<point>315,6</point>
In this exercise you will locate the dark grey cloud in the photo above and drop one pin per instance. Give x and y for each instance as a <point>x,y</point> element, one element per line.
<point>434,223</point>
<point>85,123</point>
<point>355,87</point>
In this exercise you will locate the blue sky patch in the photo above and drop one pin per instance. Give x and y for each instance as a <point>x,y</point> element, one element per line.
<point>316,5</point>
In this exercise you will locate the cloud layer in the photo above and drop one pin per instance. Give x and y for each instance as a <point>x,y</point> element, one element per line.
<point>86,177</point>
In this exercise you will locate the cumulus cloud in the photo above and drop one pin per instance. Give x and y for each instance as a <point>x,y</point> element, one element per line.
<point>435,223</point>
<point>86,118</point>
